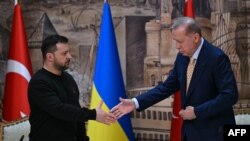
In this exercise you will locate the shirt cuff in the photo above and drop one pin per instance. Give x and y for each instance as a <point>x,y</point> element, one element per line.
<point>92,114</point>
<point>136,103</point>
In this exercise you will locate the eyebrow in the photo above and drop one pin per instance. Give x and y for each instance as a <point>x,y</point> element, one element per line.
<point>177,40</point>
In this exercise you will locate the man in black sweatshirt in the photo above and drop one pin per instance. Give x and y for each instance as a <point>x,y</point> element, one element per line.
<point>53,95</point>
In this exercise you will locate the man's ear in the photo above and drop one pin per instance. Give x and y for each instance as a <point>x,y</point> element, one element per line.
<point>50,57</point>
<point>196,37</point>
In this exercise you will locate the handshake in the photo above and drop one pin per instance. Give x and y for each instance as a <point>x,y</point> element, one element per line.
<point>124,107</point>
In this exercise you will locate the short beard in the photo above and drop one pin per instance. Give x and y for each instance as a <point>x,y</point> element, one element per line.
<point>60,67</point>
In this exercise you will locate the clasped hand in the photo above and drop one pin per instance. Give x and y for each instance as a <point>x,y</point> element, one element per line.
<point>188,113</point>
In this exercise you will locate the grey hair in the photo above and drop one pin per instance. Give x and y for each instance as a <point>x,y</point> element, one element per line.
<point>191,25</point>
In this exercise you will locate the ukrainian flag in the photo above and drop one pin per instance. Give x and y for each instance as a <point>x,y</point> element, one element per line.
<point>108,85</point>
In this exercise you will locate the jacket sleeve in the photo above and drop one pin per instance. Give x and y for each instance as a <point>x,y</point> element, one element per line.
<point>43,96</point>
<point>161,91</point>
<point>227,90</point>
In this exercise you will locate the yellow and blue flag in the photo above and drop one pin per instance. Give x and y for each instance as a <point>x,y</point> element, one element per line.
<point>108,85</point>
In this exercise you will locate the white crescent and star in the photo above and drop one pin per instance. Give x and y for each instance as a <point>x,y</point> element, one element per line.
<point>17,67</point>
<point>14,66</point>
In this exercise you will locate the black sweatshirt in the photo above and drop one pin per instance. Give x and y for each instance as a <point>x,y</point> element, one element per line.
<point>56,114</point>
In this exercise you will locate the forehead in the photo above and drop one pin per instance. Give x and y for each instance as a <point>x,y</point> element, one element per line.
<point>179,32</point>
<point>180,29</point>
<point>62,47</point>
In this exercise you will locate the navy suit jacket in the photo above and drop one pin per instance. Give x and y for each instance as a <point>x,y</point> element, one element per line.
<point>212,92</point>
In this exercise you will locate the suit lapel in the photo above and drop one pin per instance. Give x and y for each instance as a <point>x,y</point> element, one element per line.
<point>184,79</point>
<point>199,68</point>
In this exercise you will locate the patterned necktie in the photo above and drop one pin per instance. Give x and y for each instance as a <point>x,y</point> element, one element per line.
<point>190,70</point>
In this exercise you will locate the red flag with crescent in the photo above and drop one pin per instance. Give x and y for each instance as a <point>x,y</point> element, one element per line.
<point>19,71</point>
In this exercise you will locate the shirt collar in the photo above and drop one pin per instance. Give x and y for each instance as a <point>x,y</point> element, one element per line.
<point>197,52</point>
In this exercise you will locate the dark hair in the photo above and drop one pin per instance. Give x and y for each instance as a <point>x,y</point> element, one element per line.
<point>49,44</point>
<point>191,25</point>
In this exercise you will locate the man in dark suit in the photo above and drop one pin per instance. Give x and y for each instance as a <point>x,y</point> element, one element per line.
<point>208,99</point>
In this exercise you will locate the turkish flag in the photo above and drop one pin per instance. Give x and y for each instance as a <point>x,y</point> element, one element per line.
<point>188,9</point>
<point>176,123</point>
<point>19,71</point>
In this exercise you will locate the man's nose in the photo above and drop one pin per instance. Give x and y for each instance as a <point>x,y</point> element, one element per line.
<point>178,46</point>
<point>69,56</point>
